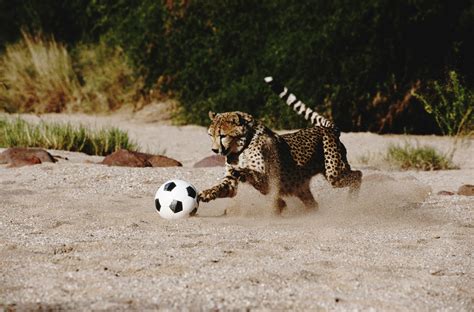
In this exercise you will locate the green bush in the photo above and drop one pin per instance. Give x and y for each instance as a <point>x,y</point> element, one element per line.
<point>19,133</point>
<point>451,104</point>
<point>337,56</point>
<point>420,158</point>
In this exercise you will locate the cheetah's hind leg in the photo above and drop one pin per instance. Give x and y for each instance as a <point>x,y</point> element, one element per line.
<point>354,180</point>
<point>337,169</point>
<point>351,179</point>
<point>278,205</point>
<point>305,195</point>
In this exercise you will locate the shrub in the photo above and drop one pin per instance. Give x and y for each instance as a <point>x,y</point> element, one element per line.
<point>451,104</point>
<point>421,158</point>
<point>337,55</point>
<point>107,80</point>
<point>39,75</point>
<point>19,133</point>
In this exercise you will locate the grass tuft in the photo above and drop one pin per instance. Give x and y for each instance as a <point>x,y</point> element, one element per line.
<point>59,136</point>
<point>424,158</point>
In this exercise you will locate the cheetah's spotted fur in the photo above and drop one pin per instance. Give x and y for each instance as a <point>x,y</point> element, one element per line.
<point>259,156</point>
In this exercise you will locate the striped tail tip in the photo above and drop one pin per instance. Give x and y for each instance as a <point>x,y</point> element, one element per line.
<point>276,86</point>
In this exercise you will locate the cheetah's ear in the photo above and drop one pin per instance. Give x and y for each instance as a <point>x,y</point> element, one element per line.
<point>246,119</point>
<point>212,115</point>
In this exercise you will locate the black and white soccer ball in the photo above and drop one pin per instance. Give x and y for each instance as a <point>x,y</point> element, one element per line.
<point>176,199</point>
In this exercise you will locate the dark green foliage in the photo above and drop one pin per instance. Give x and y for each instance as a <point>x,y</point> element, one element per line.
<point>335,55</point>
<point>69,21</point>
<point>355,61</point>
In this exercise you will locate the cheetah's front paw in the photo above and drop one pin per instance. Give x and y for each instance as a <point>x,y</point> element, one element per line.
<point>207,195</point>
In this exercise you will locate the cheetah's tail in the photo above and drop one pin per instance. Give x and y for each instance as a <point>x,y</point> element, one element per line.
<point>299,107</point>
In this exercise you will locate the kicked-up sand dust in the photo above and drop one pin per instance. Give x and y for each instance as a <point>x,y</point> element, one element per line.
<point>82,236</point>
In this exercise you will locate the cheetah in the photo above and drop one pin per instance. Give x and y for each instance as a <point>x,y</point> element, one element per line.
<point>257,155</point>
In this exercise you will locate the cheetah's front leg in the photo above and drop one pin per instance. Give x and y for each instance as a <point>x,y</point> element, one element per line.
<point>226,188</point>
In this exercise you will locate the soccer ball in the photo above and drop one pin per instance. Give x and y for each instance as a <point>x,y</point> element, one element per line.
<point>176,199</point>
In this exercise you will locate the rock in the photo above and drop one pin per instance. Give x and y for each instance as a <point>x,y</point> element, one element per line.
<point>127,158</point>
<point>211,161</point>
<point>163,161</point>
<point>445,193</point>
<point>466,190</point>
<point>22,156</point>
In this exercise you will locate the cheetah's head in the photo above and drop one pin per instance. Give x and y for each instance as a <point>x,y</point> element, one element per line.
<point>229,132</point>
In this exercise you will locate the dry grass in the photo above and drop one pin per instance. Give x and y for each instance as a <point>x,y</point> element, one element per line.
<point>108,80</point>
<point>39,75</point>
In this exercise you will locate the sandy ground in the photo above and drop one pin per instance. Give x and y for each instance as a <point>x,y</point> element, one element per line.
<point>82,236</point>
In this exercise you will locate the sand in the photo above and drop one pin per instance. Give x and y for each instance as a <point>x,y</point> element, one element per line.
<point>83,236</point>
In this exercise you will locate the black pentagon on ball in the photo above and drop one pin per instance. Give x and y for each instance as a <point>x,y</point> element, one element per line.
<point>176,206</point>
<point>157,204</point>
<point>169,186</point>
<point>191,192</point>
